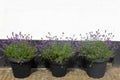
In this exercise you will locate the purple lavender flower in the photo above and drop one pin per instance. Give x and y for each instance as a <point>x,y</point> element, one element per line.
<point>43,44</point>
<point>17,38</point>
<point>77,46</point>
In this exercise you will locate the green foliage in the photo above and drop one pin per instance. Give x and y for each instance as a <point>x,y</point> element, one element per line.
<point>20,50</point>
<point>58,52</point>
<point>95,50</point>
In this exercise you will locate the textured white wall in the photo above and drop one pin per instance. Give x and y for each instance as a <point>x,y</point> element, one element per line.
<point>38,17</point>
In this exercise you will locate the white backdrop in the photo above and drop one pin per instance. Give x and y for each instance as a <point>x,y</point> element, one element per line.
<point>37,17</point>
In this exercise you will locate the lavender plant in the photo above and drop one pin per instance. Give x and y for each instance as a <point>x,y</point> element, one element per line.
<point>98,45</point>
<point>58,52</point>
<point>19,46</point>
<point>95,50</point>
<point>55,50</point>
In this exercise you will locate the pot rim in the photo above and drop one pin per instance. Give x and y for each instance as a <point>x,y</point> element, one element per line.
<point>17,61</point>
<point>99,60</point>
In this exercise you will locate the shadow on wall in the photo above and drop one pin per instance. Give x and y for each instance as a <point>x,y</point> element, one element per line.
<point>3,60</point>
<point>116,59</point>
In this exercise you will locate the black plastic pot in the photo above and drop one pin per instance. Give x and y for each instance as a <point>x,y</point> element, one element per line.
<point>97,68</point>
<point>58,70</point>
<point>20,70</point>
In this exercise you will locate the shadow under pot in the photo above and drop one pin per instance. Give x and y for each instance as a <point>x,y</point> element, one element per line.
<point>110,60</point>
<point>57,69</point>
<point>47,63</point>
<point>83,62</point>
<point>97,68</point>
<point>34,63</point>
<point>72,61</point>
<point>20,70</point>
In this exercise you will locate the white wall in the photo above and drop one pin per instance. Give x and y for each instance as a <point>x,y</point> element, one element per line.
<point>38,17</point>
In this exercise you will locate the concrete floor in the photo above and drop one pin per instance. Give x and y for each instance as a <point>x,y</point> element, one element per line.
<point>112,73</point>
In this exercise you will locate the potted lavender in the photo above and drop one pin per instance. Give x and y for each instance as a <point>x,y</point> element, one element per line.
<point>58,54</point>
<point>97,50</point>
<point>96,53</point>
<point>19,51</point>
